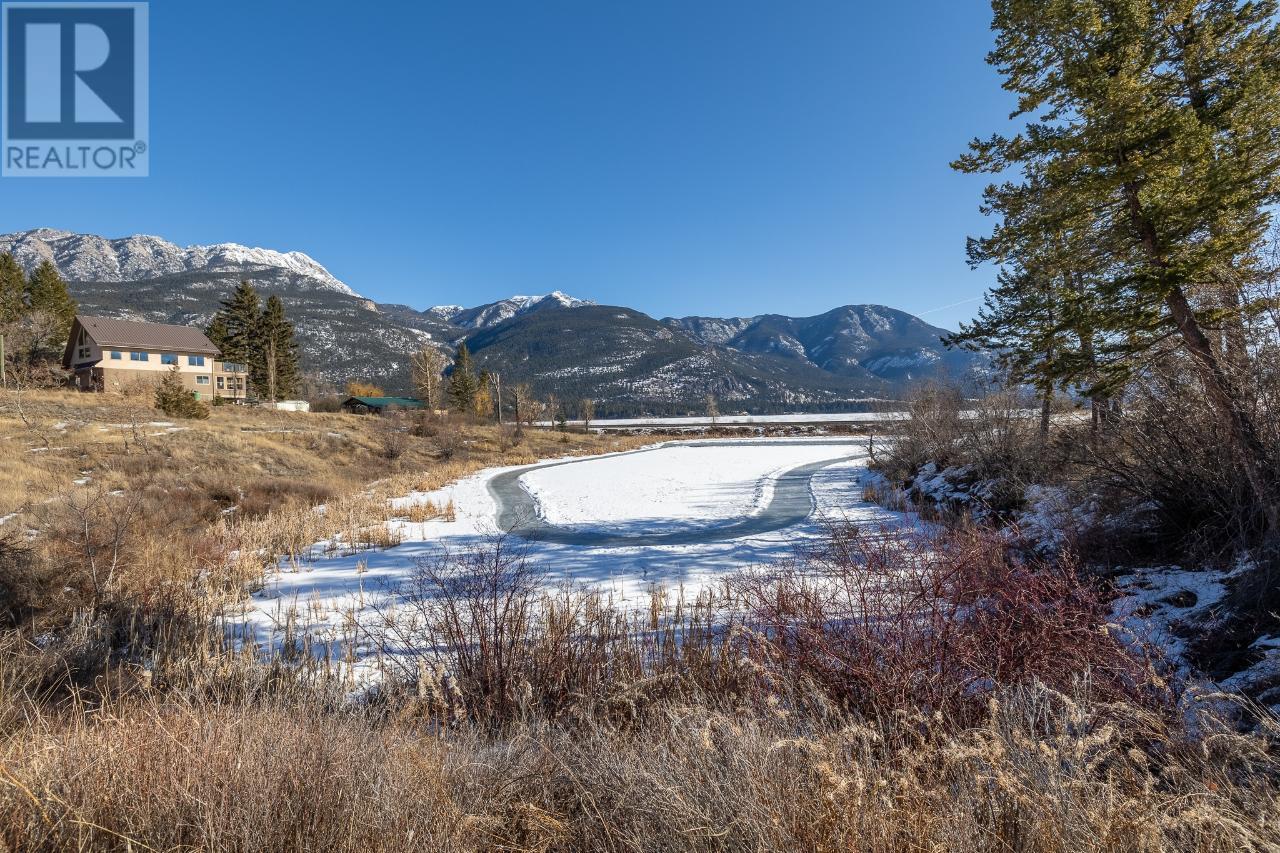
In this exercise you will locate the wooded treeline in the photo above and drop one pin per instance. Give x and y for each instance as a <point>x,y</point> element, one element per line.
<point>1134,222</point>
<point>260,337</point>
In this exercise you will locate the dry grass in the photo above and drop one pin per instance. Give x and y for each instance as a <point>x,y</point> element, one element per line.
<point>245,482</point>
<point>125,723</point>
<point>1043,771</point>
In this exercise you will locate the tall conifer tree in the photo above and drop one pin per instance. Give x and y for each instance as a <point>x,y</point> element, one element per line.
<point>217,333</point>
<point>464,385</point>
<point>13,290</point>
<point>275,355</point>
<point>237,324</point>
<point>1156,133</point>
<point>47,292</point>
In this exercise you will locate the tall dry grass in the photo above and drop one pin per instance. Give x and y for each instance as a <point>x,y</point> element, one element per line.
<point>764,719</point>
<point>1042,770</point>
<point>551,721</point>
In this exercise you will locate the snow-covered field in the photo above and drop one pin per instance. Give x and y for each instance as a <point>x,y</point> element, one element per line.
<point>338,602</point>
<point>806,418</point>
<point>678,484</point>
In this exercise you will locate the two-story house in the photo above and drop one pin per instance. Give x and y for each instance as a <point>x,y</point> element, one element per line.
<point>109,354</point>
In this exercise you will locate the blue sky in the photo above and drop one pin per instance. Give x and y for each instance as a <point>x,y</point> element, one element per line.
<point>677,156</point>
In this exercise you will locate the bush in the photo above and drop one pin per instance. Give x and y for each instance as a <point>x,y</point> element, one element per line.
<point>326,405</point>
<point>895,621</point>
<point>873,623</point>
<point>974,456</point>
<point>1166,452</point>
<point>176,401</point>
<point>26,584</point>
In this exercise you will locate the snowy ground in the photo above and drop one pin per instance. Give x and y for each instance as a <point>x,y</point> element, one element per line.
<point>338,602</point>
<point>678,484</point>
<point>724,420</point>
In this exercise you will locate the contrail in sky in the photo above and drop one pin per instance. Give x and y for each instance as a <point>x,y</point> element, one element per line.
<point>945,307</point>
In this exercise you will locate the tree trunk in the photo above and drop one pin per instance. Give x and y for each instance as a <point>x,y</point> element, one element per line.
<point>1252,453</point>
<point>1099,403</point>
<point>1046,406</point>
<point>1248,447</point>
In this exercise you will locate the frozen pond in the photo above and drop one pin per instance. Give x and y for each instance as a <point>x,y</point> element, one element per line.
<point>679,515</point>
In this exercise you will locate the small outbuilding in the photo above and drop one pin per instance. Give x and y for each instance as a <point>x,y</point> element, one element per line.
<point>379,405</point>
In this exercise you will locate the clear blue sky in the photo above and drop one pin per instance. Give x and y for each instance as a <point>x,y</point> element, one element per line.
<point>677,156</point>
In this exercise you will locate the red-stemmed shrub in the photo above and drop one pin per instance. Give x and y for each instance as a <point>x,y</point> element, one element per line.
<point>885,620</point>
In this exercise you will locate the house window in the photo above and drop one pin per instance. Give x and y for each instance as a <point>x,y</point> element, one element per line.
<point>83,352</point>
<point>221,384</point>
<point>115,355</point>
<point>202,380</point>
<point>195,361</point>
<point>168,358</point>
<point>139,356</point>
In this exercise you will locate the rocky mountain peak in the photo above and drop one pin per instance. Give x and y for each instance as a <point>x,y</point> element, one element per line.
<point>88,257</point>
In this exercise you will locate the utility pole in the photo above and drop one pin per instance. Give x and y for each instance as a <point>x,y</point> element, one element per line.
<point>4,380</point>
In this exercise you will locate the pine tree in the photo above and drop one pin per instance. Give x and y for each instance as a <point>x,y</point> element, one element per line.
<point>275,355</point>
<point>47,293</point>
<point>464,385</point>
<point>1157,135</point>
<point>13,290</point>
<point>175,400</point>
<point>217,332</point>
<point>237,324</point>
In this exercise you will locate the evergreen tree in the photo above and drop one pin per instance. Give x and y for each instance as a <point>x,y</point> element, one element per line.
<point>1157,135</point>
<point>237,324</point>
<point>217,333</point>
<point>47,293</point>
<point>175,400</point>
<point>13,290</point>
<point>273,361</point>
<point>464,385</point>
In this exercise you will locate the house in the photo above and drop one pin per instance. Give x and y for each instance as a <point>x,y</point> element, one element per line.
<point>107,354</point>
<point>378,405</point>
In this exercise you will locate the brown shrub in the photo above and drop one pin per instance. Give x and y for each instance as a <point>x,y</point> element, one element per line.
<point>267,494</point>
<point>890,621</point>
<point>1039,770</point>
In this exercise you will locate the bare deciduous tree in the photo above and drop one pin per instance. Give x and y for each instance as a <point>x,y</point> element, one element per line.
<point>428,365</point>
<point>521,404</point>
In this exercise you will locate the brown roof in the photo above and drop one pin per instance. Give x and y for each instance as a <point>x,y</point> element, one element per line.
<point>131,334</point>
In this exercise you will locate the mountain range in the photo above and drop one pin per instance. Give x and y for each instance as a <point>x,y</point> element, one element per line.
<point>627,361</point>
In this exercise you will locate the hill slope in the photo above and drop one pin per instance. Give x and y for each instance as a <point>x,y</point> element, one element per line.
<point>628,361</point>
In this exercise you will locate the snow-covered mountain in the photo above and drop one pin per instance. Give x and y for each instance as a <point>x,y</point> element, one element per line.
<point>493,313</point>
<point>88,257</point>
<point>625,360</point>
<point>846,341</point>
